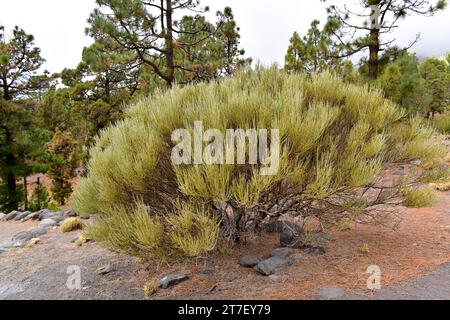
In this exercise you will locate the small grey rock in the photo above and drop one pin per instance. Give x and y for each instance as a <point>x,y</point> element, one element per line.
<point>318,251</point>
<point>3,250</point>
<point>25,236</point>
<point>42,213</point>
<point>58,219</point>
<point>2,216</point>
<point>290,234</point>
<point>289,238</point>
<point>71,213</point>
<point>21,215</point>
<point>323,238</point>
<point>206,273</point>
<point>32,216</point>
<point>10,216</point>
<point>11,245</point>
<point>249,261</point>
<point>50,215</point>
<point>172,280</point>
<point>272,265</point>
<point>273,227</point>
<point>416,163</point>
<point>274,209</point>
<point>283,252</point>
<point>48,223</point>
<point>104,270</point>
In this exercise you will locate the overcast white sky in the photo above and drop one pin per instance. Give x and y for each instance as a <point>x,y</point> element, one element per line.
<point>266,26</point>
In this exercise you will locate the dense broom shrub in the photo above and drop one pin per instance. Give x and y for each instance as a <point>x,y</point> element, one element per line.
<point>335,139</point>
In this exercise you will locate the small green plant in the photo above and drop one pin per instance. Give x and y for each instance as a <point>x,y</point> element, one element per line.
<point>150,288</point>
<point>442,123</point>
<point>40,198</point>
<point>439,174</point>
<point>420,198</point>
<point>52,206</point>
<point>71,224</point>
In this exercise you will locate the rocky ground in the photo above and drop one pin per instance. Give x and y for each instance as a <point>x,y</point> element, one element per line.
<point>414,260</point>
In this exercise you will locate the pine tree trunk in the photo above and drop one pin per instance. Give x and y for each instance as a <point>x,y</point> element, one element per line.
<point>38,183</point>
<point>169,44</point>
<point>25,198</point>
<point>374,49</point>
<point>13,203</point>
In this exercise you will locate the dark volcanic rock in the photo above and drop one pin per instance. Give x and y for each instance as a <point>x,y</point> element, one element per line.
<point>50,215</point>
<point>22,238</point>
<point>272,265</point>
<point>172,280</point>
<point>283,252</point>
<point>32,216</point>
<point>21,215</point>
<point>290,233</point>
<point>249,261</point>
<point>10,216</point>
<point>71,213</point>
<point>48,223</point>
<point>104,270</point>
<point>274,227</point>
<point>318,251</point>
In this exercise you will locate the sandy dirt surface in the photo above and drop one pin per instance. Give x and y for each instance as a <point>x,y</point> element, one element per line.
<point>414,261</point>
<point>42,272</point>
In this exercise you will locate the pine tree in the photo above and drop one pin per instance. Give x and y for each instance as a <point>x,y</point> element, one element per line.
<point>216,53</point>
<point>20,141</point>
<point>64,162</point>
<point>106,79</point>
<point>437,79</point>
<point>40,198</point>
<point>150,29</point>
<point>366,31</point>
<point>315,51</point>
<point>402,82</point>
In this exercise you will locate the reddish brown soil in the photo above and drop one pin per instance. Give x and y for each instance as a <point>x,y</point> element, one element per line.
<point>421,244</point>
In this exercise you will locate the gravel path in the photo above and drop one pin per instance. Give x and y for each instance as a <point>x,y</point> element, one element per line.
<point>42,272</point>
<point>433,286</point>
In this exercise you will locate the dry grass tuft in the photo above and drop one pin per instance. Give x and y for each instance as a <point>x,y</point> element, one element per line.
<point>150,288</point>
<point>71,224</point>
<point>420,198</point>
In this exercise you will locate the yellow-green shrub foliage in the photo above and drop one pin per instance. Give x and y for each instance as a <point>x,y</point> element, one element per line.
<point>335,138</point>
<point>420,198</point>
